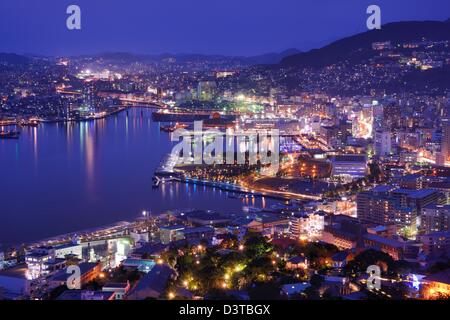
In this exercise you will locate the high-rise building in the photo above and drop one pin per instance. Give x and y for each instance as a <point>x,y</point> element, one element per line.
<point>206,90</point>
<point>382,143</point>
<point>445,142</point>
<point>435,218</point>
<point>387,205</point>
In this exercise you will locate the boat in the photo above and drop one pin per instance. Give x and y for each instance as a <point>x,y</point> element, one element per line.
<point>167,129</point>
<point>9,134</point>
<point>173,128</point>
<point>30,123</point>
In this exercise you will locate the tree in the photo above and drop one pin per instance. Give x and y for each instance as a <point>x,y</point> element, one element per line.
<point>259,268</point>
<point>370,257</point>
<point>265,291</point>
<point>256,245</point>
<point>316,280</point>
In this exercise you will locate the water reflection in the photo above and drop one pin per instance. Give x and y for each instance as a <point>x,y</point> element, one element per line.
<point>66,177</point>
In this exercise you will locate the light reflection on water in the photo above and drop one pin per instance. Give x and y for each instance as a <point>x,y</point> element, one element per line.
<point>59,178</point>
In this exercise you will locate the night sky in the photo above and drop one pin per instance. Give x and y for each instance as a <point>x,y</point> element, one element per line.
<point>231,27</point>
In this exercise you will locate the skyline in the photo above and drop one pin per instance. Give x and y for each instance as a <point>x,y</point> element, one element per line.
<point>205,151</point>
<point>40,28</point>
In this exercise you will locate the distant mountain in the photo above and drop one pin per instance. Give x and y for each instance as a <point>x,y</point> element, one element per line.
<point>272,58</point>
<point>359,47</point>
<point>269,58</point>
<point>13,59</point>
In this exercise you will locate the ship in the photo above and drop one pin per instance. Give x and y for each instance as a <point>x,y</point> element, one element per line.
<point>173,128</point>
<point>29,123</point>
<point>190,117</point>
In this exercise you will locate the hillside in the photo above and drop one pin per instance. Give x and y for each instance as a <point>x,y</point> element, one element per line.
<point>358,47</point>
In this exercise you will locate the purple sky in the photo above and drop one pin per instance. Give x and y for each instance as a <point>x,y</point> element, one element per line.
<point>231,27</point>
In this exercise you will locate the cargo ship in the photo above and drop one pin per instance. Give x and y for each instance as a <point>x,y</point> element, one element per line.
<point>178,117</point>
<point>190,117</point>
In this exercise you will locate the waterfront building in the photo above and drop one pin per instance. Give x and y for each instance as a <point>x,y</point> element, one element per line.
<point>170,233</point>
<point>64,250</point>
<point>191,234</point>
<point>36,261</point>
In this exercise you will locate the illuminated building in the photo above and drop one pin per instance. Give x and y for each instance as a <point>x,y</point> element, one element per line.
<point>206,90</point>
<point>88,272</point>
<point>382,143</point>
<point>384,209</point>
<point>68,249</point>
<point>388,205</point>
<point>152,284</point>
<point>381,45</point>
<point>362,125</point>
<point>310,167</point>
<point>170,233</point>
<point>123,248</point>
<point>435,218</point>
<point>445,143</point>
<point>224,74</point>
<point>436,244</point>
<point>308,225</point>
<point>354,166</point>
<point>398,250</point>
<point>37,262</point>
<point>297,262</point>
<point>418,199</point>
<point>173,233</point>
<point>342,231</point>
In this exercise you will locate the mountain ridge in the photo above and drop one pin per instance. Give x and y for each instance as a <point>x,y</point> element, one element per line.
<point>396,32</point>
